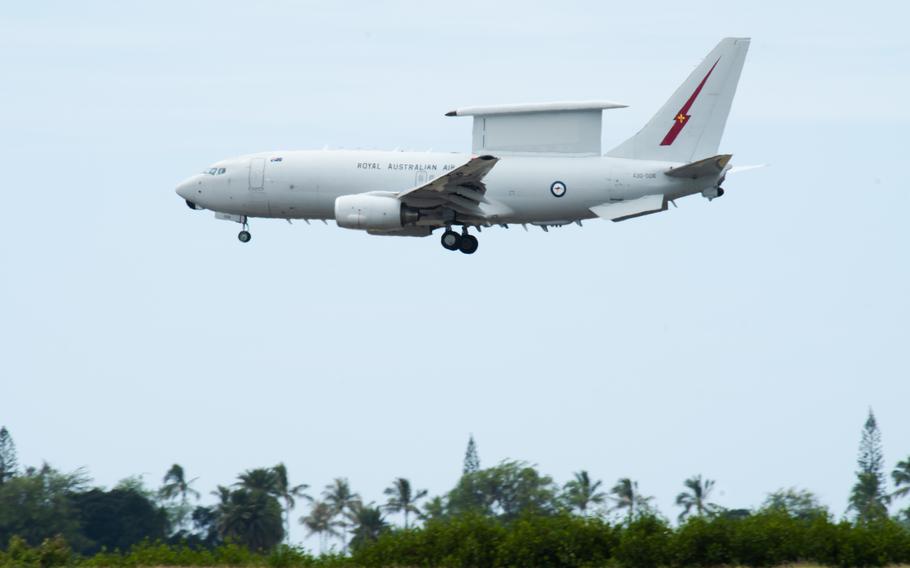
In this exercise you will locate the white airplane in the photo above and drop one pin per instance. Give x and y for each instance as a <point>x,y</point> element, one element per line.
<point>538,164</point>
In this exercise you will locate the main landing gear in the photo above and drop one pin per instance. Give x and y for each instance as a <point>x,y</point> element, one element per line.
<point>244,236</point>
<point>464,242</point>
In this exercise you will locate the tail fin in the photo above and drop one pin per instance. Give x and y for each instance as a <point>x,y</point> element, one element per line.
<point>689,125</point>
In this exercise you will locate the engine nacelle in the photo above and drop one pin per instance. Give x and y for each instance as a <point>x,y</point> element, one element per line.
<point>713,193</point>
<point>372,212</point>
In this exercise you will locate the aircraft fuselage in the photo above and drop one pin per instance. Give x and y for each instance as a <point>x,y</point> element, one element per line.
<point>520,189</point>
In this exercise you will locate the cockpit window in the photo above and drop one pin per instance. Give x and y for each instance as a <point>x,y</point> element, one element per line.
<point>214,171</point>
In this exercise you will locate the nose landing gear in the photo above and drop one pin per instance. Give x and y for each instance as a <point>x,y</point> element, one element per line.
<point>244,236</point>
<point>464,242</point>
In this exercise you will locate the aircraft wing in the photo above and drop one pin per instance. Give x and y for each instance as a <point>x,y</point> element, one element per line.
<point>461,189</point>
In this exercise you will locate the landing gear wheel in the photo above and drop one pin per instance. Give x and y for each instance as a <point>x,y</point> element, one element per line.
<point>468,244</point>
<point>451,240</point>
<point>244,236</point>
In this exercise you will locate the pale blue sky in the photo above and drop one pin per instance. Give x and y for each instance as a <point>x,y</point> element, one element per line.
<point>743,339</point>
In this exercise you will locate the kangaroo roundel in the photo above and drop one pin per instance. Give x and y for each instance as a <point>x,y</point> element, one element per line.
<point>558,189</point>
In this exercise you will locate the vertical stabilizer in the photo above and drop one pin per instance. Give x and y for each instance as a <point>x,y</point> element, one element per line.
<point>689,125</point>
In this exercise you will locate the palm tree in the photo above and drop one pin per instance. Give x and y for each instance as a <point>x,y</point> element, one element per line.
<point>342,500</point>
<point>580,493</point>
<point>403,499</point>
<point>223,493</point>
<point>288,494</point>
<point>260,479</point>
<point>321,521</point>
<point>435,508</point>
<point>901,477</point>
<point>699,491</point>
<point>252,518</point>
<point>176,485</point>
<point>367,522</point>
<point>625,495</point>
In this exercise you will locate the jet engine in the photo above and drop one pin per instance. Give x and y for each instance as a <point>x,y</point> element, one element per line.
<point>373,212</point>
<point>713,193</point>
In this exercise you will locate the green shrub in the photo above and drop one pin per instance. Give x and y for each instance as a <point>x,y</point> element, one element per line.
<point>54,552</point>
<point>469,540</point>
<point>644,543</point>
<point>882,543</point>
<point>557,541</point>
<point>18,553</point>
<point>769,538</point>
<point>290,557</point>
<point>702,542</point>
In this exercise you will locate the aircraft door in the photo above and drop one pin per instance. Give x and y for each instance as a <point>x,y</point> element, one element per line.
<point>257,174</point>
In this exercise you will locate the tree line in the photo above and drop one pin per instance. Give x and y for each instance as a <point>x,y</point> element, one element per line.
<point>256,510</point>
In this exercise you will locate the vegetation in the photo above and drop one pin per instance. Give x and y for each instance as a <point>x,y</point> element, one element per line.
<point>8,462</point>
<point>766,538</point>
<point>696,496</point>
<point>503,491</point>
<point>868,499</point>
<point>342,502</point>
<point>626,498</point>
<point>403,499</point>
<point>321,522</point>
<point>288,493</point>
<point>581,493</point>
<point>471,459</point>
<point>799,504</point>
<point>176,486</point>
<point>509,514</point>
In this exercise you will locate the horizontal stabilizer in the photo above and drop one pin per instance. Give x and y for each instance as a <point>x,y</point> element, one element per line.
<point>622,210</point>
<point>709,167</point>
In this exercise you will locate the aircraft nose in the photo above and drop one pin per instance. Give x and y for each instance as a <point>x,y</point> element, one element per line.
<point>186,190</point>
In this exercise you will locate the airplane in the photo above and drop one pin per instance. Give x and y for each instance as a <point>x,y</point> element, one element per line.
<point>530,164</point>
